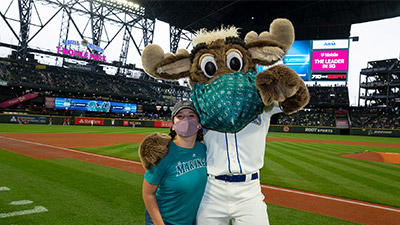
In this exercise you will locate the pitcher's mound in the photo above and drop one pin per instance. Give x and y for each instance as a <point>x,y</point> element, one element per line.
<point>376,156</point>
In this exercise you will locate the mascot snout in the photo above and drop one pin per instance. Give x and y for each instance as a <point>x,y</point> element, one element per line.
<point>229,102</point>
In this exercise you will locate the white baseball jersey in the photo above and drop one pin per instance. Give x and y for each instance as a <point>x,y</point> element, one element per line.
<point>241,152</point>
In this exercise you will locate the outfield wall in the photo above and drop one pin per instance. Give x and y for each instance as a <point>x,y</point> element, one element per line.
<point>300,129</point>
<point>375,132</point>
<point>86,121</point>
<point>334,130</point>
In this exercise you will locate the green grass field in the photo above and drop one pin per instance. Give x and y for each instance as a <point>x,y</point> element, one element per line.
<point>75,192</point>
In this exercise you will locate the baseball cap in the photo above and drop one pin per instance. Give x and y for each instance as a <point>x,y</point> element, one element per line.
<point>182,105</point>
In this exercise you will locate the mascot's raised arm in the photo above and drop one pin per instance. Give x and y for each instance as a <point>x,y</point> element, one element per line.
<point>235,105</point>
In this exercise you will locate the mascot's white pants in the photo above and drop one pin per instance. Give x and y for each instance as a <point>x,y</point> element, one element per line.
<point>242,202</point>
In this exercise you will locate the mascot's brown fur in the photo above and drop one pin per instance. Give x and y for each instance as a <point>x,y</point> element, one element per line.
<point>278,83</point>
<point>153,148</point>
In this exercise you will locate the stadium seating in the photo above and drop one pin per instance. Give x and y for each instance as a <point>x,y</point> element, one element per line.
<point>62,82</point>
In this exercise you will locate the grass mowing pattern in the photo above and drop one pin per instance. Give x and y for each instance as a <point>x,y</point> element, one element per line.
<point>334,137</point>
<point>39,128</point>
<point>77,192</point>
<point>315,167</point>
<point>121,150</point>
<point>74,192</point>
<point>82,193</point>
<point>319,168</point>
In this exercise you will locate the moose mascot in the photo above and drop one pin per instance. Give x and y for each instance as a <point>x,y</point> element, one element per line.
<point>235,106</point>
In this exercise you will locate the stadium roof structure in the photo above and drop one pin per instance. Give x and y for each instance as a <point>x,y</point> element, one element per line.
<point>311,19</point>
<point>133,21</point>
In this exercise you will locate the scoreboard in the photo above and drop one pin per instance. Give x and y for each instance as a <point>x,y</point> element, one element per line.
<point>319,60</point>
<point>329,60</point>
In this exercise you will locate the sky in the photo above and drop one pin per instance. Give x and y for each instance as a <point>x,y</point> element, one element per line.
<point>378,40</point>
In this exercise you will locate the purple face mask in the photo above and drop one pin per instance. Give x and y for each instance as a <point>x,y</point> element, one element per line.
<point>186,127</point>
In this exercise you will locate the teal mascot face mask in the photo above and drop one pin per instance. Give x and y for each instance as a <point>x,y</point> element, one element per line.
<point>228,103</point>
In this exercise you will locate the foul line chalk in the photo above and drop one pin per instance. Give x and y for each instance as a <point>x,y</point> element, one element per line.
<point>21,202</point>
<point>263,185</point>
<point>76,151</point>
<point>331,198</point>
<point>4,189</point>
<point>37,209</point>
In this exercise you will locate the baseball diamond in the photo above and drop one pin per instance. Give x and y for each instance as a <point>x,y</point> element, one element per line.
<point>64,145</point>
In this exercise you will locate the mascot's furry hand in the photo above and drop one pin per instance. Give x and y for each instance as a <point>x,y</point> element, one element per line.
<point>282,84</point>
<point>153,148</point>
<point>278,83</point>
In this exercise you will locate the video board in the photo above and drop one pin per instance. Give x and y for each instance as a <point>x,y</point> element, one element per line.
<point>318,60</point>
<point>94,105</point>
<point>298,58</point>
<point>329,60</point>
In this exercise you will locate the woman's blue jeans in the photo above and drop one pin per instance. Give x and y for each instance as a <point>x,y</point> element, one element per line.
<point>149,221</point>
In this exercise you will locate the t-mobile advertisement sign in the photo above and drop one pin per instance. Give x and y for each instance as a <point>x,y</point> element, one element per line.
<point>333,60</point>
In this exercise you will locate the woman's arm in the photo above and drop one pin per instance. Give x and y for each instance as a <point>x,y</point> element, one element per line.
<point>150,201</point>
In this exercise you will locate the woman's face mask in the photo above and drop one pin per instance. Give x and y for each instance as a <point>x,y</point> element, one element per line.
<point>186,127</point>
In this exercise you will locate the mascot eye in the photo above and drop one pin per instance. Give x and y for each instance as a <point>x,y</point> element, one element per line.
<point>234,60</point>
<point>208,66</point>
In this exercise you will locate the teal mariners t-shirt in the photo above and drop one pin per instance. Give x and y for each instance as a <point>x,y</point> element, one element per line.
<point>181,178</point>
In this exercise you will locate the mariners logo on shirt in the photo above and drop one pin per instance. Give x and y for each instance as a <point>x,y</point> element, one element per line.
<point>185,167</point>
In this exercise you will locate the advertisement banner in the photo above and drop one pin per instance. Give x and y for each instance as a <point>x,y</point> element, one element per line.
<point>75,66</point>
<point>18,100</point>
<point>375,132</point>
<point>40,67</point>
<point>94,105</point>
<point>88,121</point>
<point>300,129</point>
<point>316,130</point>
<point>331,44</point>
<point>332,60</point>
<point>144,123</point>
<point>328,76</point>
<point>126,122</point>
<point>317,60</point>
<point>49,102</point>
<point>29,119</point>
<point>163,124</point>
<point>3,82</point>
<point>139,108</point>
<point>298,58</point>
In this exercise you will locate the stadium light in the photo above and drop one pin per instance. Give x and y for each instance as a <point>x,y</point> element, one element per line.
<point>124,5</point>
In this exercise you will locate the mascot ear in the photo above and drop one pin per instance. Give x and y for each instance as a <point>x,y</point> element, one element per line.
<point>270,47</point>
<point>165,66</point>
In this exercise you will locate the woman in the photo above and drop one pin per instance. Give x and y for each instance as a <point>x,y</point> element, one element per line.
<point>173,185</point>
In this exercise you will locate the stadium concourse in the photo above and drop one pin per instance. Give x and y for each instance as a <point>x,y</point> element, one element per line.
<point>51,81</point>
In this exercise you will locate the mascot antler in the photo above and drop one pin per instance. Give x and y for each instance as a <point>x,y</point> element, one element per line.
<point>166,65</point>
<point>270,47</point>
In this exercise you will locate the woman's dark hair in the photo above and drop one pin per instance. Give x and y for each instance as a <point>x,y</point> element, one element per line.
<point>199,137</point>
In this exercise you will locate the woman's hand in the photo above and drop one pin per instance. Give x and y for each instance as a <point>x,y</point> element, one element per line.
<point>150,201</point>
